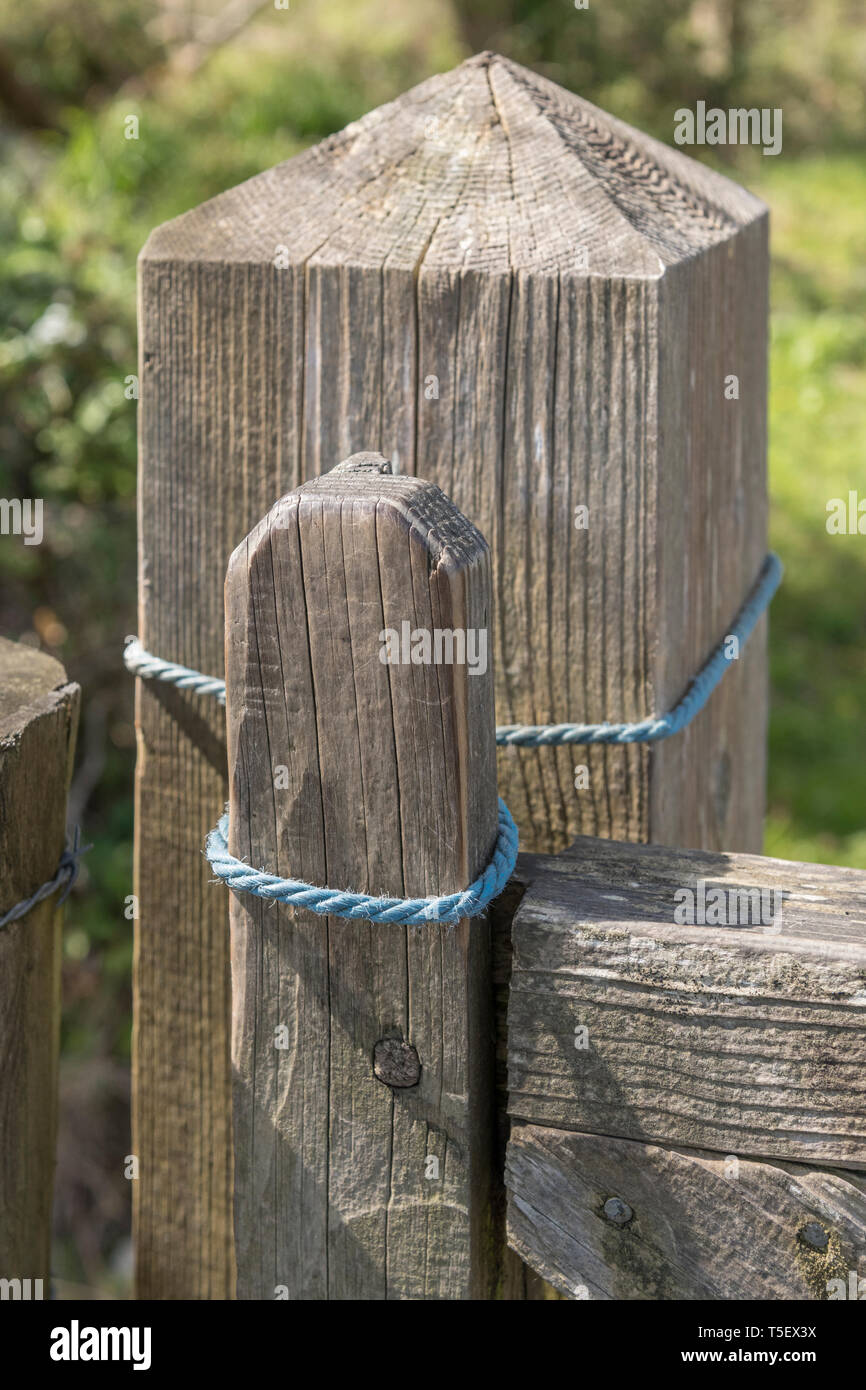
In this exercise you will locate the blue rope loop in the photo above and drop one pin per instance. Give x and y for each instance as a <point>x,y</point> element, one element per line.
<point>650,730</point>
<point>453,907</point>
<point>335,902</point>
<point>67,873</point>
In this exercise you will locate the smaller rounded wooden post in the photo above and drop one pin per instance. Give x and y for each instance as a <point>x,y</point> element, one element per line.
<point>361,759</point>
<point>38,721</point>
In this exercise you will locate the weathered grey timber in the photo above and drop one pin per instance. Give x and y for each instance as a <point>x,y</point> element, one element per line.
<point>38,722</point>
<point>741,1039</point>
<point>515,295</point>
<point>604,1218</point>
<point>351,1181</point>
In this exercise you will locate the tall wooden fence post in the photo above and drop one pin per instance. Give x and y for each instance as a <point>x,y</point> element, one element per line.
<point>362,1052</point>
<point>38,722</point>
<point>562,323</point>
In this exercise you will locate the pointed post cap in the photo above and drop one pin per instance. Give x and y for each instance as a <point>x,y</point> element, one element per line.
<point>489,168</point>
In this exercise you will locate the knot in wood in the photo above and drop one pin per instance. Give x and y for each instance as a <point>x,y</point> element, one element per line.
<point>814,1235</point>
<point>396,1063</point>
<point>618,1212</point>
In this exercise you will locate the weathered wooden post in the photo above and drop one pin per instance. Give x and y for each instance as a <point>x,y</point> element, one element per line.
<point>38,722</point>
<point>560,322</point>
<point>362,1051</point>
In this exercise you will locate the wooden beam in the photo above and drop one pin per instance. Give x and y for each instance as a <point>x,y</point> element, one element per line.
<point>513,294</point>
<point>742,1039</point>
<point>362,1052</point>
<point>38,722</point>
<point>604,1218</point>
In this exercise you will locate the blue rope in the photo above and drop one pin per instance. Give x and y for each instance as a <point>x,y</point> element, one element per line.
<point>67,873</point>
<point>333,902</point>
<point>153,668</point>
<point>650,730</point>
<point>698,693</point>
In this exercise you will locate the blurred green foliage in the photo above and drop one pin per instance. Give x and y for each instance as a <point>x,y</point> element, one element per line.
<point>817,439</point>
<point>77,200</point>
<point>644,59</point>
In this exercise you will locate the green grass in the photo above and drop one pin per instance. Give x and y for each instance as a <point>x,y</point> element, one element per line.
<point>817,786</point>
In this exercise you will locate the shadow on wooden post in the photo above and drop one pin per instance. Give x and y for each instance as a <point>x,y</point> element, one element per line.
<point>351,772</point>
<point>38,722</point>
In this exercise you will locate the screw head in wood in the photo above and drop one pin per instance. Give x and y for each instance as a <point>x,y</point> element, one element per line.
<point>396,1063</point>
<point>617,1212</point>
<point>814,1235</point>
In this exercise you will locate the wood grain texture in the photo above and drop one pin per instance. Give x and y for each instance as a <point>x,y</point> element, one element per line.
<point>701,1226</point>
<point>739,1039</point>
<point>522,299</point>
<point>352,773</point>
<point>38,722</point>
<point>518,1281</point>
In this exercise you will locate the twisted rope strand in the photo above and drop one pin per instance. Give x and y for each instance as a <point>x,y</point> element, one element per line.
<point>649,730</point>
<point>67,873</point>
<point>653,728</point>
<point>331,902</point>
<point>334,902</point>
<point>153,668</point>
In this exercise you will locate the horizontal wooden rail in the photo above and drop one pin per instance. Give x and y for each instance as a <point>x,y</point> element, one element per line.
<point>686,1036</point>
<point>604,1218</point>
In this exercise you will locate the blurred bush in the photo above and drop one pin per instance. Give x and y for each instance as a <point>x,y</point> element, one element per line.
<point>644,59</point>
